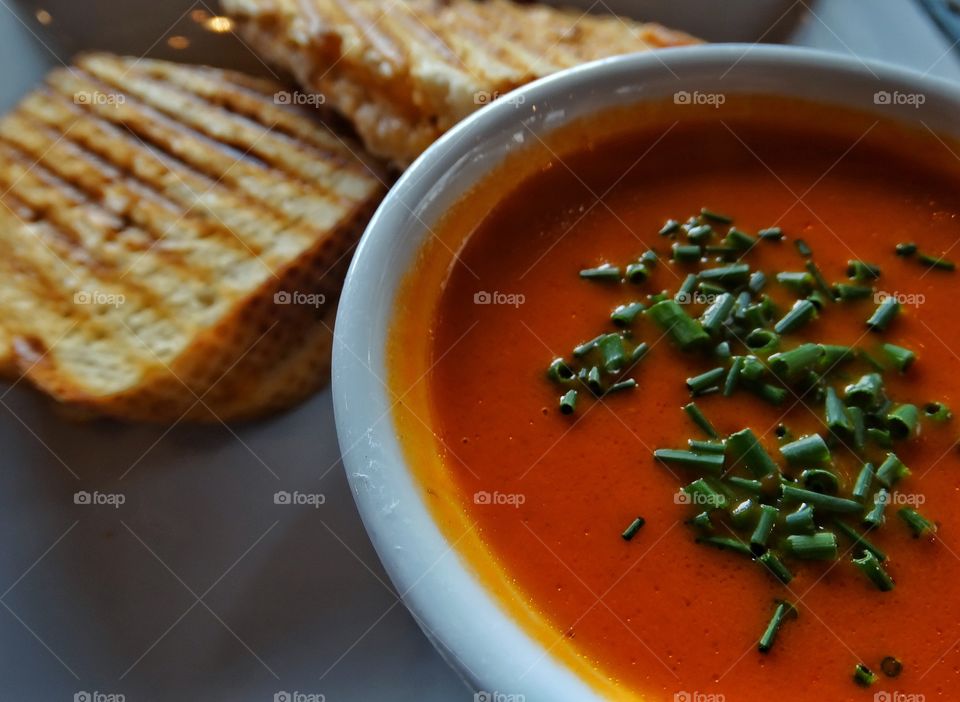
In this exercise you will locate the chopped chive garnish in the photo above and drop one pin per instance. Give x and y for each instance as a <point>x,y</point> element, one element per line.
<point>789,364</point>
<point>780,614</point>
<point>726,543</point>
<point>846,292</point>
<point>744,447</point>
<point>743,514</point>
<point>671,226</point>
<point>860,270</point>
<point>870,566</point>
<point>803,248</point>
<point>801,313</point>
<point>706,446</point>
<point>612,351</point>
<point>559,371</point>
<point>807,450</point>
<point>818,278</point>
<point>687,252</point>
<point>772,562</point>
<point>820,480</point>
<point>799,282</point>
<point>583,349</point>
<point>593,380</point>
<point>626,384</point>
<point>757,282</point>
<point>906,249</point>
<point>710,289</point>
<point>636,273</point>
<point>752,368</point>
<point>762,341</point>
<point>863,676</point>
<point>903,421</point>
<point>722,350</point>
<point>937,411</point>
<point>834,355</point>
<point>699,233</point>
<point>867,392</point>
<point>801,521</point>
<point>884,314</point>
<point>707,213</point>
<point>625,315</point>
<point>649,257</point>
<point>639,352</point>
<point>875,518</point>
<point>746,484</point>
<point>604,272</point>
<point>705,462</point>
<point>771,393</point>
<point>704,382</point>
<point>837,417</point>
<point>859,540</point>
<point>733,376</point>
<point>568,402</point>
<point>765,522</point>
<point>861,488</point>
<point>891,667</point>
<point>881,437</point>
<point>702,493</point>
<point>700,419</point>
<point>687,287</point>
<point>703,522</point>
<point>937,262</point>
<point>739,239</point>
<point>634,527</point>
<point>738,273</point>
<point>891,471</point>
<point>919,525</point>
<point>859,423</point>
<point>821,546</point>
<point>683,329</point>
<point>771,234</point>
<point>901,358</point>
<point>826,503</point>
<point>717,313</point>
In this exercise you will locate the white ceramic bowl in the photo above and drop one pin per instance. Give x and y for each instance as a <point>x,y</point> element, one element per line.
<point>464,621</point>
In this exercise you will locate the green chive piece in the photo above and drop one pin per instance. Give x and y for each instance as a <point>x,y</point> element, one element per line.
<point>901,358</point>
<point>906,249</point>
<point>903,421</point>
<point>754,487</point>
<point>771,393</point>
<point>559,371</point>
<point>614,355</point>
<point>891,667</point>
<point>937,411</point>
<point>726,543</point>
<point>780,614</point>
<point>861,488</point>
<point>863,676</point>
<point>721,253</point>
<point>707,213</point>
<point>717,313</point>
<point>736,274</point>
<point>859,540</point>
<point>753,368</point>
<point>733,376</point>
<point>859,423</point>
<point>881,437</point>
<point>790,364</point>
<point>704,382</point>
<point>626,384</point>
<point>684,330</point>
<point>801,313</point>
<point>803,248</point>
<point>758,280</point>
<point>860,271</point>
<point>875,518</point>
<point>826,503</point>
<point>568,402</point>
<point>639,352</point>
<point>846,292</point>
<point>834,355</point>
<point>649,257</point>
<point>799,282</point>
<point>870,566</point>
<point>593,380</point>
<point>706,446</point>
<point>837,418</point>
<point>807,450</point>
<point>671,226</point>
<point>634,527</point>
<point>710,290</point>
<point>743,514</point>
<point>867,392</point>
<point>762,341</point>
<point>771,234</point>
<point>700,419</point>
<point>919,525</point>
<point>739,239</point>
<point>761,533</point>
<point>687,252</point>
<point>625,315</point>
<point>801,521</point>
<point>891,471</point>
<point>884,314</point>
<point>703,521</point>
<point>603,272</point>
<point>818,278</point>
<point>820,480</point>
<point>701,493</point>
<point>705,462</point>
<point>722,350</point>
<point>937,262</point>
<point>699,233</point>
<point>687,288</point>
<point>746,448</point>
<point>772,562</point>
<point>821,546</point>
<point>586,347</point>
<point>636,273</point>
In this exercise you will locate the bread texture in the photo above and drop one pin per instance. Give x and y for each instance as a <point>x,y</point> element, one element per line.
<point>173,240</point>
<point>405,71</point>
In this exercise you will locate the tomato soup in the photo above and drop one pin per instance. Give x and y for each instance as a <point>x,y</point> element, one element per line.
<point>543,500</point>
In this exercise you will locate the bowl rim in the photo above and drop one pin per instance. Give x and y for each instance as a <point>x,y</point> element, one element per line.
<point>482,643</point>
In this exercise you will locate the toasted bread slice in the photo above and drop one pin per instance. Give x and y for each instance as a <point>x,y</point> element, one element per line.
<point>173,241</point>
<point>405,71</point>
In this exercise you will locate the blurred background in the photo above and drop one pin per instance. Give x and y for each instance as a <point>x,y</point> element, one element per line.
<point>199,586</point>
